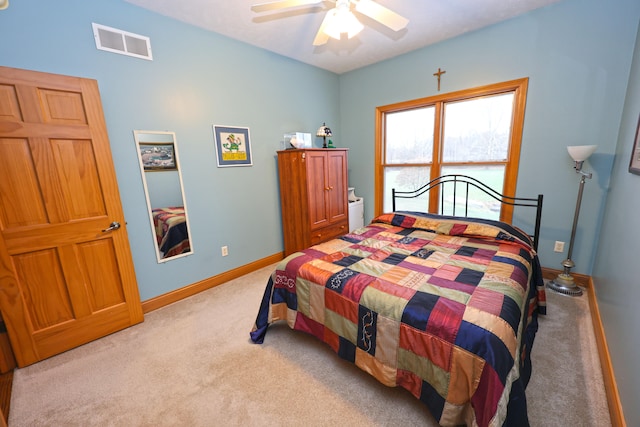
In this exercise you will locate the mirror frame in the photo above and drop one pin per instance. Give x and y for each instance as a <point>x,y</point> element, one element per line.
<point>139,137</point>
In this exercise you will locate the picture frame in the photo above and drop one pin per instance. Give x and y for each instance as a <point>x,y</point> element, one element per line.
<point>158,156</point>
<point>634,164</point>
<point>233,146</point>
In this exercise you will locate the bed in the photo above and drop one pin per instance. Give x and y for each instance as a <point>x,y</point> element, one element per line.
<point>443,306</point>
<point>171,230</point>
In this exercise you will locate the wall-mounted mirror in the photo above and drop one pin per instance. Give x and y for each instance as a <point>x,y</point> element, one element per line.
<point>162,180</point>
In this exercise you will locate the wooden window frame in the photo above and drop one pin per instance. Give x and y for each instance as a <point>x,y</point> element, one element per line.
<point>518,87</point>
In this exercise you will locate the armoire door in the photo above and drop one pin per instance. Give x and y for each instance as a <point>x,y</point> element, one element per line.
<point>317,188</point>
<point>66,271</point>
<point>337,209</point>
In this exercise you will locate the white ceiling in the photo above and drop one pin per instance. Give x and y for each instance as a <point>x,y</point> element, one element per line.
<point>291,32</point>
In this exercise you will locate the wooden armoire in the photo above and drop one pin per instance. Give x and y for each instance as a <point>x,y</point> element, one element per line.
<point>313,196</point>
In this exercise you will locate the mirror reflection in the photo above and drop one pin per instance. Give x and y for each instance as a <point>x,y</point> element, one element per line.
<point>162,180</point>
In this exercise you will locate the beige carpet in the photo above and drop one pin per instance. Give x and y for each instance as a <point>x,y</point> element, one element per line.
<point>192,364</point>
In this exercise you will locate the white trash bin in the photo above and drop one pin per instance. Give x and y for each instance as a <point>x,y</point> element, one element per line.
<point>356,214</point>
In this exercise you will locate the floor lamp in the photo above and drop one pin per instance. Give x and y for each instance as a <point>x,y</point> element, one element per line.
<point>564,283</point>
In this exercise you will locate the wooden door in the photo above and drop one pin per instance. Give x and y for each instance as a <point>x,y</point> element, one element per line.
<point>337,208</point>
<point>66,277</point>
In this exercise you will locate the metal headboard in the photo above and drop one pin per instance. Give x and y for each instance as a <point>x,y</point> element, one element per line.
<point>465,183</point>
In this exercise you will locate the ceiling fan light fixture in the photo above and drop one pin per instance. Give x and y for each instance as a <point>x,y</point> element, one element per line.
<point>342,21</point>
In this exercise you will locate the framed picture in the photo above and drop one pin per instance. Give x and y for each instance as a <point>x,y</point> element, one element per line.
<point>158,156</point>
<point>634,164</point>
<point>233,147</point>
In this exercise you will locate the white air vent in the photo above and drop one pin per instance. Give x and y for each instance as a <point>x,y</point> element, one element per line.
<point>122,42</point>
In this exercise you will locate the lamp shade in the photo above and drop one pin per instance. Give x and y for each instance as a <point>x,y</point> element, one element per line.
<point>324,131</point>
<point>580,153</point>
<point>341,20</point>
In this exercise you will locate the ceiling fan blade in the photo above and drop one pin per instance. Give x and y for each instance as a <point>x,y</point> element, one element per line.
<point>283,4</point>
<point>381,14</point>
<point>321,36</point>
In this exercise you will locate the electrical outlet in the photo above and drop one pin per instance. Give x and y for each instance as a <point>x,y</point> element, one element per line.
<point>558,246</point>
<point>225,250</point>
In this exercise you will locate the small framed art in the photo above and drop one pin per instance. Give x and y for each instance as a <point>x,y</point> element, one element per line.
<point>158,156</point>
<point>634,164</point>
<point>233,146</point>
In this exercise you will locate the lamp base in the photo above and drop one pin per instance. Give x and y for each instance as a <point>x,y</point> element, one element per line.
<point>565,284</point>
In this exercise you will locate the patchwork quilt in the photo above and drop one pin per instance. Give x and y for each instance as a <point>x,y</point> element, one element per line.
<point>443,307</point>
<point>171,230</point>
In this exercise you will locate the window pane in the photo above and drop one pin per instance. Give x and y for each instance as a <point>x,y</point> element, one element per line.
<point>406,179</point>
<point>409,136</point>
<point>480,205</point>
<point>478,129</point>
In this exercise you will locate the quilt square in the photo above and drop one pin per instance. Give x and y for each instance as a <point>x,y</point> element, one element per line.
<point>413,276</point>
<point>347,261</point>
<point>418,309</point>
<point>338,281</point>
<point>466,251</point>
<point>388,284</point>
<point>384,304</point>
<point>285,280</point>
<point>310,326</point>
<point>354,287</point>
<point>315,269</point>
<point>340,305</point>
<point>451,284</point>
<point>416,265</point>
<point>519,272</point>
<point>423,253</point>
<point>445,319</point>
<point>511,313</point>
<point>372,365</point>
<point>426,345</point>
<point>469,276</point>
<point>484,254</point>
<point>488,395</point>
<point>449,272</point>
<point>486,345</point>
<point>387,341</point>
<point>286,296</point>
<point>394,258</point>
<point>347,350</point>
<point>487,300</point>
<point>367,327</point>
<point>352,238</point>
<point>466,371</point>
<point>341,326</point>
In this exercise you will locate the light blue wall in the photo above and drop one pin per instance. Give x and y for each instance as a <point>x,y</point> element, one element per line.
<point>576,54</point>
<point>617,271</point>
<point>164,189</point>
<point>196,79</point>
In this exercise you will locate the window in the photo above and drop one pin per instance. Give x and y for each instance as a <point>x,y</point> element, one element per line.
<point>475,132</point>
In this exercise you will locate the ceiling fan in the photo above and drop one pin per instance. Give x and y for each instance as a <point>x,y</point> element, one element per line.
<point>340,19</point>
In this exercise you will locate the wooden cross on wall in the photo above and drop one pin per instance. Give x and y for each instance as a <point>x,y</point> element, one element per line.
<point>439,74</point>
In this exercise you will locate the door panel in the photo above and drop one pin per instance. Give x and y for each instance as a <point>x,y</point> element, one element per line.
<point>46,297</point>
<point>80,183</point>
<point>103,291</point>
<point>317,188</point>
<point>64,280</point>
<point>337,177</point>
<point>19,190</point>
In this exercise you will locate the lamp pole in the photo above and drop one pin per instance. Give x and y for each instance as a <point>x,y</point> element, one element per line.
<point>564,282</point>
